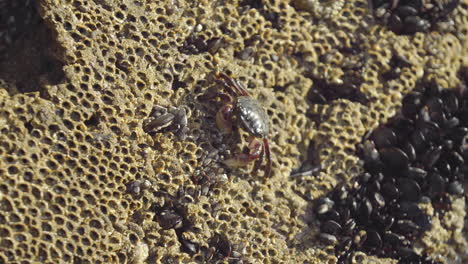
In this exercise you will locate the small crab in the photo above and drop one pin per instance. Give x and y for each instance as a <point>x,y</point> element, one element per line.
<point>240,109</point>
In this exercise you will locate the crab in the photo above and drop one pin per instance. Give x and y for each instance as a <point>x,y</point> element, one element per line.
<point>240,109</point>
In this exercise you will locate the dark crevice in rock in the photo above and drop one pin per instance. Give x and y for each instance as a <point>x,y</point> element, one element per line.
<point>323,92</point>
<point>32,58</point>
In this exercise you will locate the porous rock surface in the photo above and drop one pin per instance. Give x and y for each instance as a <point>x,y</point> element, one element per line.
<point>72,141</point>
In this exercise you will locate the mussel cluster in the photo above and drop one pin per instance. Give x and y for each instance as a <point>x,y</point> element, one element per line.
<point>15,17</point>
<point>411,16</point>
<point>419,156</point>
<point>172,214</point>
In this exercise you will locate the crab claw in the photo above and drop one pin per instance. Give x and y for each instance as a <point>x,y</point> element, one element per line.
<point>224,119</point>
<point>243,159</point>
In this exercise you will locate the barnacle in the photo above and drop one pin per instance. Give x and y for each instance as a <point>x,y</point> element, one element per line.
<point>77,87</point>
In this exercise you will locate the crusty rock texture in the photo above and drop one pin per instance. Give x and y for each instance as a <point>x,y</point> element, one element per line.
<point>83,182</point>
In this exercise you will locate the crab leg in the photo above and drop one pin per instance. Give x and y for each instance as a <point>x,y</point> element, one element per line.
<point>224,119</point>
<point>210,95</point>
<point>266,146</point>
<point>226,82</point>
<point>226,98</point>
<point>258,162</point>
<point>232,84</point>
<point>240,87</point>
